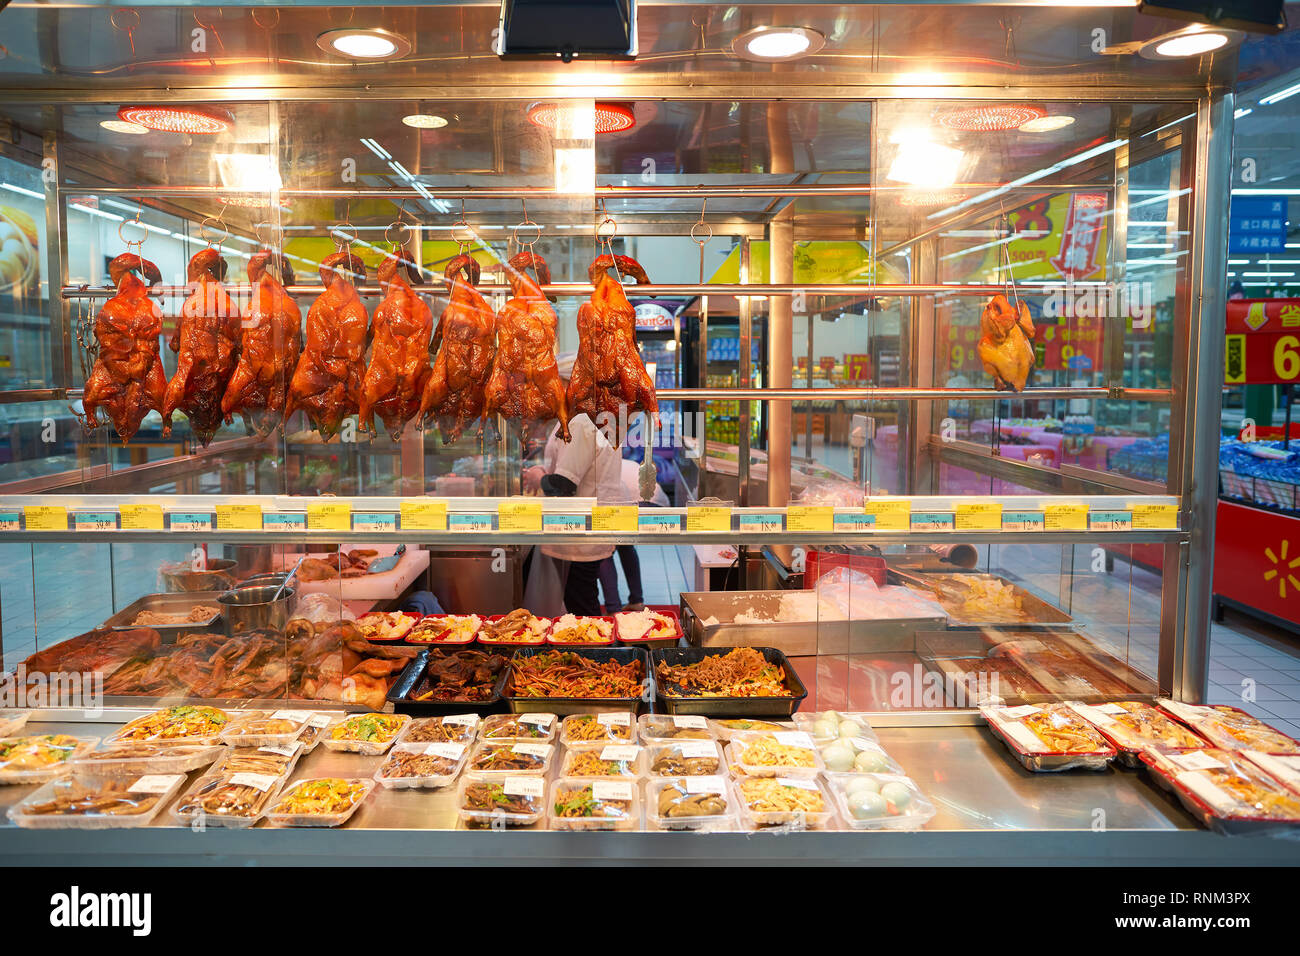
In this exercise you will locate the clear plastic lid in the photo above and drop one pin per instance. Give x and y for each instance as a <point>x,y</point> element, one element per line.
<point>275,760</point>
<point>857,755</point>
<point>1231,727</point>
<point>726,728</point>
<point>685,758</point>
<point>95,801</point>
<point>602,760</point>
<point>39,757</point>
<point>319,802</point>
<point>1046,730</point>
<point>585,804</point>
<point>1227,784</point>
<point>256,728</point>
<point>1134,726</point>
<point>386,626</point>
<point>789,753</point>
<point>657,728</point>
<point>183,723</point>
<point>690,803</point>
<point>312,734</point>
<point>227,799</point>
<point>617,727</point>
<point>517,758</point>
<point>370,734</point>
<point>536,727</point>
<point>879,801</point>
<point>454,729</point>
<point>422,765</point>
<point>828,726</point>
<point>796,802</point>
<point>150,758</point>
<point>572,629</point>
<point>12,721</point>
<point>501,801</point>
<point>445,629</point>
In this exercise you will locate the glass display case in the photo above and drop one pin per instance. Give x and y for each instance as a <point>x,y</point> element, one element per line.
<point>905,320</point>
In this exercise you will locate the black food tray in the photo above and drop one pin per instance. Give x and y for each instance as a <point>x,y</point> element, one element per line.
<point>729,706</point>
<point>399,695</point>
<point>564,706</point>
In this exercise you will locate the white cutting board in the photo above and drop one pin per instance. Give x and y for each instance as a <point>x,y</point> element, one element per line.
<point>367,587</point>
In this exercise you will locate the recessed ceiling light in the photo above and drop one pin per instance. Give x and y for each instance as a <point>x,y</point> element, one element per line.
<point>609,117</point>
<point>1193,41</point>
<point>991,117</point>
<point>122,126</point>
<point>206,120</point>
<point>925,164</point>
<point>1045,124</point>
<point>425,121</point>
<point>768,44</point>
<point>373,44</point>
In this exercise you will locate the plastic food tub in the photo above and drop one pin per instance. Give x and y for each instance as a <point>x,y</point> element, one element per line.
<point>264,789</point>
<point>288,819</point>
<point>264,728</point>
<point>902,806</point>
<point>817,724</point>
<point>685,758</point>
<point>616,727</point>
<point>371,748</point>
<point>158,788</point>
<point>536,727</point>
<point>171,731</point>
<point>455,754</point>
<point>618,801</point>
<point>666,728</point>
<point>273,761</point>
<point>451,729</point>
<point>71,749</point>
<point>876,761</point>
<point>12,721</point>
<point>1037,755</point>
<point>683,790</point>
<point>537,762</point>
<point>742,743</point>
<point>760,798</point>
<point>616,761</point>
<point>148,758</point>
<point>526,794</point>
<point>729,727</point>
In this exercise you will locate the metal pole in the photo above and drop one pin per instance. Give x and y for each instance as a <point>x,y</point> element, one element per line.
<point>780,359</point>
<point>745,306</point>
<point>56,250</point>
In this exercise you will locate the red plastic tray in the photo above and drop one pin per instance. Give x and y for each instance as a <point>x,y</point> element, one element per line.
<point>489,642</point>
<point>654,643</point>
<point>459,643</point>
<point>613,634</point>
<point>391,640</point>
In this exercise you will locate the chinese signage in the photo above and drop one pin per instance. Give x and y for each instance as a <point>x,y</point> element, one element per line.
<point>1263,342</point>
<point>1257,224</point>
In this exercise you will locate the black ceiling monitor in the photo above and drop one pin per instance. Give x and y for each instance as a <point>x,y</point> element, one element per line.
<point>605,29</point>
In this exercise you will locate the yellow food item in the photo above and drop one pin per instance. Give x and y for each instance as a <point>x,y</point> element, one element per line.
<point>770,795</point>
<point>768,752</point>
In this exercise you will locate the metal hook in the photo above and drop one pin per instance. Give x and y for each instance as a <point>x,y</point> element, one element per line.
<point>138,243</point>
<point>524,224</point>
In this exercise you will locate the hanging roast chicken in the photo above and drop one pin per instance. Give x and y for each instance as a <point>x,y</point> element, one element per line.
<point>270,338</point>
<point>464,343</point>
<point>206,343</point>
<point>608,374</point>
<point>127,381</point>
<point>327,382</point>
<point>399,360</point>
<point>525,383</point>
<point>1005,348</point>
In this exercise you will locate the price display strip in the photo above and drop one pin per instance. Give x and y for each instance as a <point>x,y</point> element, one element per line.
<point>1110,521</point>
<point>890,515</point>
<point>519,517</point>
<point>978,516</point>
<point>424,515</point>
<point>1065,518</point>
<point>1155,517</point>
<point>284,521</point>
<point>655,523</point>
<point>614,519</point>
<point>1023,521</point>
<point>853,522</point>
<point>764,523</point>
<point>94,520</point>
<point>708,519</point>
<point>239,517</point>
<point>46,518</point>
<point>190,522</point>
<point>810,519</point>
<point>932,521</point>
<point>140,517</point>
<point>564,524</point>
<point>467,522</point>
<point>329,516</point>
<point>381,521</point>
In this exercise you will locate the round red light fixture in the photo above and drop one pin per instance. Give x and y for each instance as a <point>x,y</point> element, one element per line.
<point>989,118</point>
<point>610,117</point>
<point>205,120</point>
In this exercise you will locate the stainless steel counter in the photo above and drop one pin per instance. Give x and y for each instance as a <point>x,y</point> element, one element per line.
<point>990,812</point>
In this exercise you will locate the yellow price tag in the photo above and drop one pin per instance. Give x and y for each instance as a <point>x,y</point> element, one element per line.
<point>329,516</point>
<point>519,516</point>
<point>810,519</point>
<point>890,515</point>
<point>239,517</point>
<point>46,518</point>
<point>1065,518</point>
<point>141,517</point>
<point>1155,517</point>
<point>979,516</point>
<point>708,519</point>
<point>614,518</point>
<point>420,515</point>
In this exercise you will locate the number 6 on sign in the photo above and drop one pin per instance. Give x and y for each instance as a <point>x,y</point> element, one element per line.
<point>1286,358</point>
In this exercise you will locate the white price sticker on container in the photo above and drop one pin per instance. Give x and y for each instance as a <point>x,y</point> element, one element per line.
<point>696,748</point>
<point>533,750</point>
<point>1017,713</point>
<point>690,722</point>
<point>611,790</point>
<point>797,782</point>
<point>283,750</point>
<point>320,721</point>
<point>258,781</point>
<point>624,752</point>
<point>523,786</point>
<point>1094,715</point>
<point>614,720</point>
<point>448,750</point>
<point>461,720</point>
<point>155,782</point>
<point>1195,760</point>
<point>298,716</point>
<point>1286,767</point>
<point>794,738</point>
<point>705,785</point>
<point>541,721</point>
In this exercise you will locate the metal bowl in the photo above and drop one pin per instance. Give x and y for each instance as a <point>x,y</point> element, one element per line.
<point>218,575</point>
<point>248,609</point>
<point>272,578</point>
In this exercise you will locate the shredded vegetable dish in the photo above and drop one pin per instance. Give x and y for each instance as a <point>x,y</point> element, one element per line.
<point>741,672</point>
<point>569,674</point>
<point>324,797</point>
<point>371,728</point>
<point>36,753</point>
<point>770,795</point>
<point>176,723</point>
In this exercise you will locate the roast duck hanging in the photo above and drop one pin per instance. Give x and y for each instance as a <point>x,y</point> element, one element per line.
<point>206,343</point>
<point>127,380</point>
<point>525,384</point>
<point>608,374</point>
<point>268,347</point>
<point>327,382</point>
<point>1006,348</point>
<point>399,359</point>
<point>464,343</point>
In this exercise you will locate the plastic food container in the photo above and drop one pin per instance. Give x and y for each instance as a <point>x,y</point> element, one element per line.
<point>895,801</point>
<point>1226,792</point>
<point>12,721</point>
<point>532,632</point>
<point>689,803</point>
<point>452,729</point>
<point>447,758</point>
<point>1231,728</point>
<point>518,759</point>
<point>148,758</point>
<point>386,627</point>
<point>586,804</point>
<point>627,625</point>
<point>182,724</point>
<point>1015,726</point>
<point>825,727</point>
<point>617,727</point>
<point>537,727</point>
<point>685,758</point>
<point>1284,768</point>
<point>747,755</point>
<point>273,760</point>
<point>369,734</point>
<point>36,758</point>
<point>867,757</point>
<point>311,735</point>
<point>1132,726</point>
<point>727,728</point>
<point>227,799</point>
<point>140,799</point>
<point>798,803</point>
<point>603,760</point>
<point>665,728</point>
<point>501,801</point>
<point>265,728</point>
<point>783,705</point>
<point>281,815</point>
<point>445,629</point>
<point>569,625</point>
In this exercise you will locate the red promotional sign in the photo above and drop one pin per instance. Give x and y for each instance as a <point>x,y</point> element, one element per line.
<point>857,366</point>
<point>1263,342</point>
<point>1257,560</point>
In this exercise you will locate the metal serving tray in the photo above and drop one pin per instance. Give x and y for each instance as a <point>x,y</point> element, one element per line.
<point>399,695</point>
<point>1035,612</point>
<point>564,706</point>
<point>730,706</point>
<point>800,639</point>
<point>171,603</point>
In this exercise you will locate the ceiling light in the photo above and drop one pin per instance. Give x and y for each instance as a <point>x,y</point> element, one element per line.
<point>991,117</point>
<point>1045,124</point>
<point>1280,95</point>
<point>373,44</point>
<point>1194,41</point>
<point>252,172</point>
<point>206,120</point>
<point>122,126</point>
<point>922,163</point>
<point>1238,114</point>
<point>425,121</point>
<point>768,44</point>
<point>575,120</point>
